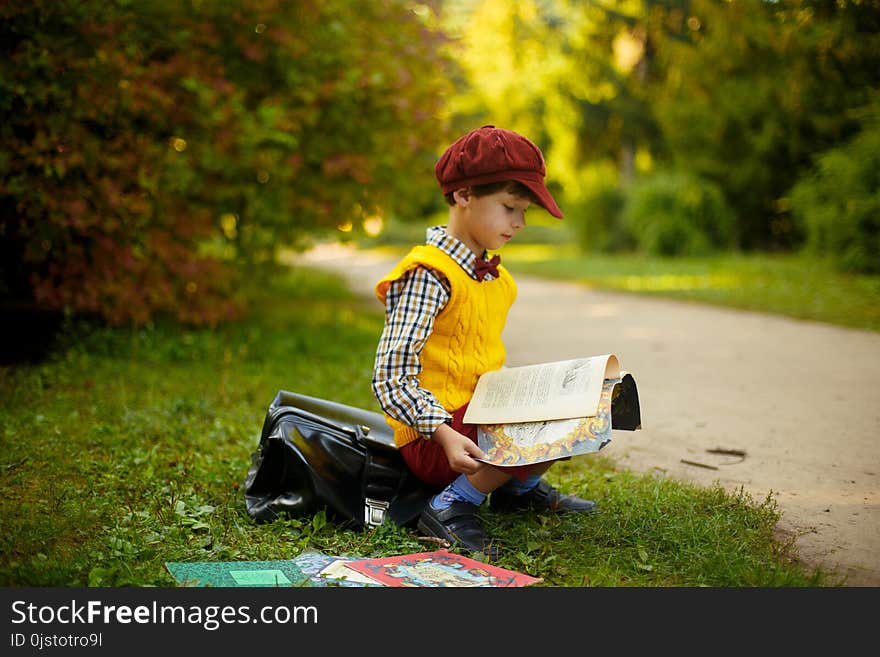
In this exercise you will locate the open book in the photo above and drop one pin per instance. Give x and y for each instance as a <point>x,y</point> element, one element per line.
<point>547,411</point>
<point>438,568</point>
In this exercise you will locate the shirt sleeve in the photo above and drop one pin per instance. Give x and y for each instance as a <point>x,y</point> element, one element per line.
<point>411,306</point>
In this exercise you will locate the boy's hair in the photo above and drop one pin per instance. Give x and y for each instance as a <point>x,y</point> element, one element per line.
<point>513,186</point>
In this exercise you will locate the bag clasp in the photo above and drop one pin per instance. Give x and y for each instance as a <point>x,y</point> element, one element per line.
<point>374,511</point>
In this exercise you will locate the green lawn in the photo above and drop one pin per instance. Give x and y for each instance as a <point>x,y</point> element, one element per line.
<point>791,285</point>
<point>127,448</point>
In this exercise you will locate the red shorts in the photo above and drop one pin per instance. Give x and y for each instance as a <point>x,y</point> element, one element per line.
<point>428,462</point>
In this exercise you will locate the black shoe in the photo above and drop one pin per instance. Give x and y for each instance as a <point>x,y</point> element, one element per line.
<point>459,525</point>
<point>542,497</point>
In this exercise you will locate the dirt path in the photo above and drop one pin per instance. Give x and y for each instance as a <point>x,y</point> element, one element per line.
<point>801,399</point>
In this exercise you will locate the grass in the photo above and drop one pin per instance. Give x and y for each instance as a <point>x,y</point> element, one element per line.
<point>792,285</point>
<point>127,448</point>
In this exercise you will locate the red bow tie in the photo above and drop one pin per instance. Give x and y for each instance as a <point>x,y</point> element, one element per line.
<point>482,267</point>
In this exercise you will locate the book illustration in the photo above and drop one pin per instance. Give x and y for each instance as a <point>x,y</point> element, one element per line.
<point>440,568</point>
<point>340,570</point>
<point>546,391</point>
<point>311,562</point>
<point>321,570</point>
<point>282,573</point>
<point>523,443</point>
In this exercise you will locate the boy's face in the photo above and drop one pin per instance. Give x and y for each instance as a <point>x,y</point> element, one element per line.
<point>487,222</point>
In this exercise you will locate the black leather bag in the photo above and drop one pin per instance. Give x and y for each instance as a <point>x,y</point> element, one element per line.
<point>316,454</point>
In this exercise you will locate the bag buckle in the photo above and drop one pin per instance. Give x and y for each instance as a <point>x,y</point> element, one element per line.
<point>374,511</point>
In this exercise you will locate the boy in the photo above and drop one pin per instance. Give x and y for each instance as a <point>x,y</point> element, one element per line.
<point>445,310</point>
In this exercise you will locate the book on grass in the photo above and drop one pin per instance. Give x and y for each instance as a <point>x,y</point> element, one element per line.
<point>340,570</point>
<point>327,570</point>
<point>534,413</point>
<point>440,568</point>
<point>310,568</point>
<point>280,573</point>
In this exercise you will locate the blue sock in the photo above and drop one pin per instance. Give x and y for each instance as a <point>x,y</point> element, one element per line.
<point>518,487</point>
<point>460,490</point>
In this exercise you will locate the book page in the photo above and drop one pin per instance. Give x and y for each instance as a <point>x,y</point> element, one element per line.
<point>524,443</point>
<point>547,391</point>
<point>340,570</point>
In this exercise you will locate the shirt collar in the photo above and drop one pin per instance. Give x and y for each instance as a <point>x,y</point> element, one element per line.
<point>454,248</point>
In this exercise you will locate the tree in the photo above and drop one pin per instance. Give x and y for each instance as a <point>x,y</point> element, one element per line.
<point>839,202</point>
<point>759,89</point>
<point>743,94</point>
<point>155,151</point>
<point>575,76</point>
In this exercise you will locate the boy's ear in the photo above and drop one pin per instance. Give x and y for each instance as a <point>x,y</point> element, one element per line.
<point>462,196</point>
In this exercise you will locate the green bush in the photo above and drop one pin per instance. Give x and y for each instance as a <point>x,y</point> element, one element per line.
<point>675,213</point>
<point>599,228</point>
<point>839,203</point>
<point>155,154</point>
<point>753,91</point>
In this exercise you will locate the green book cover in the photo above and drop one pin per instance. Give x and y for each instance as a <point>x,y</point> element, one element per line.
<point>236,573</point>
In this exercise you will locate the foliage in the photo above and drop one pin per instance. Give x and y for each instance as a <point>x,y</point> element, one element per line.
<point>839,203</point>
<point>127,449</point>
<point>597,217</point>
<point>675,213</point>
<point>567,74</point>
<point>610,76</point>
<point>756,91</point>
<point>743,94</point>
<point>155,152</point>
<point>499,45</point>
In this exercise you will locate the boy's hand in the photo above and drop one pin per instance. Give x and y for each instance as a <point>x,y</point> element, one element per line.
<point>461,451</point>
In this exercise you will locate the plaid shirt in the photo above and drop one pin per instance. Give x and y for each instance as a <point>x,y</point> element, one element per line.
<point>411,305</point>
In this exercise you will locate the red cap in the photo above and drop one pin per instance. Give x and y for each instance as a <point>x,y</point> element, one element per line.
<point>492,154</point>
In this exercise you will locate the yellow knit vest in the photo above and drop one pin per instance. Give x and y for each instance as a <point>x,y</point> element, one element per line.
<point>466,339</point>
